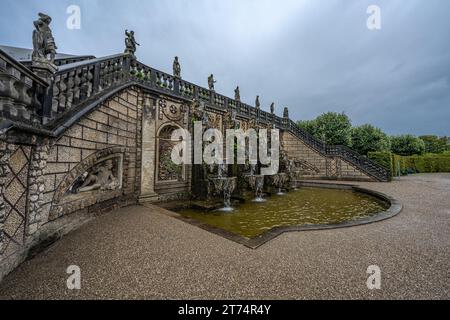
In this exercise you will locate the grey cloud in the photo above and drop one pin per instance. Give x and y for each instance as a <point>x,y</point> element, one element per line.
<point>313,56</point>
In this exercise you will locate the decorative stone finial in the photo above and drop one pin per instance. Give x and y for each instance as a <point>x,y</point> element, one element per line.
<point>286,113</point>
<point>211,82</point>
<point>237,94</point>
<point>176,68</point>
<point>130,43</point>
<point>257,103</point>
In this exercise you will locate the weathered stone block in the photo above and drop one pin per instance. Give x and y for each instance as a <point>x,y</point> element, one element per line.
<point>69,154</point>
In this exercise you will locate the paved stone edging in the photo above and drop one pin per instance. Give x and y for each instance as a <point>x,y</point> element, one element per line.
<point>253,243</point>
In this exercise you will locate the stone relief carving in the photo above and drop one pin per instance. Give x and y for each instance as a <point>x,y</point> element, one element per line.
<point>101,177</point>
<point>105,175</point>
<point>215,121</point>
<point>199,113</point>
<point>172,111</point>
<point>230,121</point>
<point>97,178</point>
<point>167,169</point>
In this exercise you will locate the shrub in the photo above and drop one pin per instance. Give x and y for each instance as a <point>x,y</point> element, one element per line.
<point>429,163</point>
<point>384,159</point>
<point>367,138</point>
<point>407,145</point>
<point>434,144</point>
<point>334,128</point>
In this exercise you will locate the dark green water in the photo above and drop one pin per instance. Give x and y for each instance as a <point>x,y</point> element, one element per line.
<point>296,208</point>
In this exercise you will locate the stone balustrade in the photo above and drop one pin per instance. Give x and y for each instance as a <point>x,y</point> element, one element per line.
<point>21,92</point>
<point>22,97</point>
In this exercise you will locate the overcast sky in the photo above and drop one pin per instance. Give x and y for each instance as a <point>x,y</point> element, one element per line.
<point>311,55</point>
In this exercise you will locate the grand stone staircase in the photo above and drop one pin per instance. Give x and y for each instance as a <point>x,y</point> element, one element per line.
<point>30,104</point>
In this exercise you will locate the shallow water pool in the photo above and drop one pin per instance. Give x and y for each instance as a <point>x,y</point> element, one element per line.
<point>297,208</point>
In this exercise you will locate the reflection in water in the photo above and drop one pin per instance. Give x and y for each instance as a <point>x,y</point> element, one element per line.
<point>301,207</point>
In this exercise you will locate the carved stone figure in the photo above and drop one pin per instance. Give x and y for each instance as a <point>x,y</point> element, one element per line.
<point>176,68</point>
<point>286,113</point>
<point>230,121</point>
<point>130,43</point>
<point>101,177</point>
<point>199,113</point>
<point>253,124</point>
<point>211,82</point>
<point>272,108</point>
<point>44,47</point>
<point>237,94</point>
<point>257,103</point>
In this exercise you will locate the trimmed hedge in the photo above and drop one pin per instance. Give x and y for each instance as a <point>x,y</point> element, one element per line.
<point>429,163</point>
<point>384,159</point>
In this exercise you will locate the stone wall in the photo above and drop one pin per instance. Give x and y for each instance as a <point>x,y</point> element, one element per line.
<point>50,186</point>
<point>36,205</point>
<point>113,124</point>
<point>314,165</point>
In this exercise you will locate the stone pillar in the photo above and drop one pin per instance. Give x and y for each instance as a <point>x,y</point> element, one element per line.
<point>5,154</point>
<point>45,70</point>
<point>36,187</point>
<point>148,193</point>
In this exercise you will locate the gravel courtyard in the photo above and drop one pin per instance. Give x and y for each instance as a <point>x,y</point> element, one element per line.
<point>140,252</point>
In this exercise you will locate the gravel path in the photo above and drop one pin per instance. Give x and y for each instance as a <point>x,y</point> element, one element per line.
<point>138,252</point>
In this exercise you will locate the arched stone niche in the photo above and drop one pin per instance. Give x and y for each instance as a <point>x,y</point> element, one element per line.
<point>98,178</point>
<point>166,170</point>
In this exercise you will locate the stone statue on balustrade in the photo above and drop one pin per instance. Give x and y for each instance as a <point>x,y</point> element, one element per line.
<point>286,113</point>
<point>130,43</point>
<point>176,68</point>
<point>101,178</point>
<point>257,103</point>
<point>211,82</point>
<point>237,94</point>
<point>272,108</point>
<point>44,47</point>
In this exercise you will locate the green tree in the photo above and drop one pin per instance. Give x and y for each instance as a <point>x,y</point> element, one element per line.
<point>367,138</point>
<point>407,145</point>
<point>334,128</point>
<point>434,144</point>
<point>309,126</point>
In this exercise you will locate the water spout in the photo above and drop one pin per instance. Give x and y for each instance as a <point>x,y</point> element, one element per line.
<point>225,186</point>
